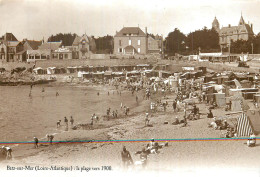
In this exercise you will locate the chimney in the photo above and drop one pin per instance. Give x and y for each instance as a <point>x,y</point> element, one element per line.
<point>252,26</point>
<point>146,30</point>
<point>229,25</point>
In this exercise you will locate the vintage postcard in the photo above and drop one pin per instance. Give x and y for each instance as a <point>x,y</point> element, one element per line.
<point>129,87</point>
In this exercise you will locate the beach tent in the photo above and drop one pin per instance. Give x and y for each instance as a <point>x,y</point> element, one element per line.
<point>244,127</point>
<point>51,70</point>
<point>248,122</point>
<point>38,70</point>
<point>254,119</point>
<point>220,99</point>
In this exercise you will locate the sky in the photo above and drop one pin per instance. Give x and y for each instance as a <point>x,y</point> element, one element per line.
<point>38,19</point>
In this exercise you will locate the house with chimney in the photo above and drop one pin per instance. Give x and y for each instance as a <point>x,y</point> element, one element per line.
<point>9,48</point>
<point>229,34</point>
<point>131,41</point>
<point>83,46</point>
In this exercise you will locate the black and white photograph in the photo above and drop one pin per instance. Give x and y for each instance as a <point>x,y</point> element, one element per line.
<point>130,88</point>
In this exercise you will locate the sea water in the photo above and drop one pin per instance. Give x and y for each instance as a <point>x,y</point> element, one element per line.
<point>23,117</point>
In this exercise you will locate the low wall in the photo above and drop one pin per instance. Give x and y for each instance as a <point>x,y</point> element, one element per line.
<point>99,56</point>
<point>76,62</point>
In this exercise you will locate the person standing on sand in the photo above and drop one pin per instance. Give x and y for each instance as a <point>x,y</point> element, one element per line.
<point>71,120</point>
<point>50,138</point>
<point>126,158</point>
<point>36,141</point>
<point>66,121</point>
<point>147,119</point>
<point>174,105</point>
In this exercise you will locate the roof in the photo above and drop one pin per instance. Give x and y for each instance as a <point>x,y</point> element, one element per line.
<point>78,39</point>
<point>241,28</point>
<point>34,44</point>
<point>38,52</point>
<point>50,46</point>
<point>129,47</point>
<point>241,21</point>
<point>130,31</point>
<point>8,37</point>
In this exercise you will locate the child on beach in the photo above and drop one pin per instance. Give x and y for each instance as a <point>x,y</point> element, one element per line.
<point>35,142</point>
<point>58,123</point>
<point>71,120</point>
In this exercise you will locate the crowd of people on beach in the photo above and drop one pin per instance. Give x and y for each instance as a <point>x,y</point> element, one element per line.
<point>184,110</point>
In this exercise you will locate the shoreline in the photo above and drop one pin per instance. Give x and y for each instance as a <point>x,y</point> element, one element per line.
<point>100,129</point>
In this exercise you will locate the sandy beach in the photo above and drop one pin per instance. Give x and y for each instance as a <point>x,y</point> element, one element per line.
<point>186,155</point>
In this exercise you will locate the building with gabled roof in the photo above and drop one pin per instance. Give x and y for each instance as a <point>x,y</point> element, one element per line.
<point>31,44</point>
<point>50,46</point>
<point>130,41</point>
<point>242,31</point>
<point>9,48</point>
<point>84,46</point>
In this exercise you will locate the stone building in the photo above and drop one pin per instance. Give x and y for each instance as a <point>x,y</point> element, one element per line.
<point>130,41</point>
<point>229,34</point>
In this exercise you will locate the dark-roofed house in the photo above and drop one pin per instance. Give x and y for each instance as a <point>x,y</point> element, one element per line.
<point>8,37</point>
<point>83,46</point>
<point>230,33</point>
<point>31,44</point>
<point>9,48</point>
<point>28,45</point>
<point>131,40</point>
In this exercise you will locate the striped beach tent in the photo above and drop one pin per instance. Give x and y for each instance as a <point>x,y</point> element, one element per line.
<point>244,127</point>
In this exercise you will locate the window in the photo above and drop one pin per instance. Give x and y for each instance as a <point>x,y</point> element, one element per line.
<point>120,50</point>
<point>66,56</point>
<point>43,56</point>
<point>120,42</point>
<point>130,42</point>
<point>139,42</point>
<point>139,50</point>
<point>37,56</point>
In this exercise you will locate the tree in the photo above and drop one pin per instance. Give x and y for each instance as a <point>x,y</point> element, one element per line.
<point>205,39</point>
<point>67,39</point>
<point>104,44</point>
<point>175,42</point>
<point>245,46</point>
